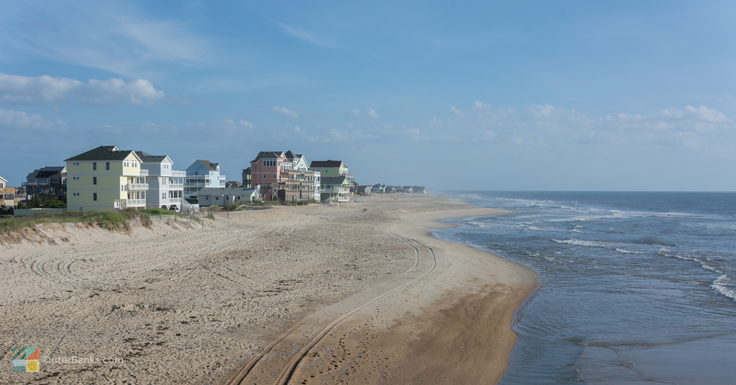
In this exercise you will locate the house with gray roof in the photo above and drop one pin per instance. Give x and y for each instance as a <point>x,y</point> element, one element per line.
<point>165,185</point>
<point>201,174</point>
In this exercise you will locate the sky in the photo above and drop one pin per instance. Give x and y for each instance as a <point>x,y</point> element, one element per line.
<point>522,95</point>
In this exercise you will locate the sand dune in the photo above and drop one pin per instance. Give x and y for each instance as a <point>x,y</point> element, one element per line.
<point>317,294</point>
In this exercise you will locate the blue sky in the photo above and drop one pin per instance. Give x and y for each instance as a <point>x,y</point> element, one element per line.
<point>624,95</point>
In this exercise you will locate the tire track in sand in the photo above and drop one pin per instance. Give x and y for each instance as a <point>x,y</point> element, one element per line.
<point>243,376</point>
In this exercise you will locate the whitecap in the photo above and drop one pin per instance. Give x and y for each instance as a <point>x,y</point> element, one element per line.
<point>579,242</point>
<point>720,285</point>
<point>624,251</point>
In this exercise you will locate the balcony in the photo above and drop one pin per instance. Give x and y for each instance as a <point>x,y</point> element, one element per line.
<point>179,174</point>
<point>174,186</point>
<point>133,203</point>
<point>142,173</point>
<point>136,187</point>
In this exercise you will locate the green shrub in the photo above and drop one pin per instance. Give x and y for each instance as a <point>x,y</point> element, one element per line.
<point>160,211</point>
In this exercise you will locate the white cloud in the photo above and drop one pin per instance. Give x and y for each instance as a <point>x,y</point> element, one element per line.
<point>13,119</point>
<point>707,114</point>
<point>111,36</point>
<point>485,135</point>
<point>297,130</point>
<point>457,111</point>
<point>307,36</point>
<point>47,89</point>
<point>285,111</point>
<point>372,113</point>
<point>546,125</point>
<point>246,124</point>
<point>478,105</point>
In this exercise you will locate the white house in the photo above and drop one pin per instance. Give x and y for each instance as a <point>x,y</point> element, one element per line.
<point>165,185</point>
<point>216,196</point>
<point>201,174</point>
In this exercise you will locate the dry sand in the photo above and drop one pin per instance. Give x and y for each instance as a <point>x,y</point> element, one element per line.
<point>299,295</point>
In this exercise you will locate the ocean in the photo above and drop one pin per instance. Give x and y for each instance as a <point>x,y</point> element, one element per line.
<point>635,287</point>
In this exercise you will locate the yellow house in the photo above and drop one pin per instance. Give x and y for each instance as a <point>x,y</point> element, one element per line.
<point>105,178</point>
<point>7,194</point>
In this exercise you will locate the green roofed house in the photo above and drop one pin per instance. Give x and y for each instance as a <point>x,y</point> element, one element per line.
<point>335,189</point>
<point>329,168</point>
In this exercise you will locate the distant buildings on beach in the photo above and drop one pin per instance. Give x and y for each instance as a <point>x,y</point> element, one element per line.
<point>109,178</point>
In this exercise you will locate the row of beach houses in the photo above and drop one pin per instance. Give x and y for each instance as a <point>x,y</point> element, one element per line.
<point>108,178</point>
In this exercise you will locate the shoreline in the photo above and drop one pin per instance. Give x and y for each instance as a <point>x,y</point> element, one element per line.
<point>397,337</point>
<point>370,296</point>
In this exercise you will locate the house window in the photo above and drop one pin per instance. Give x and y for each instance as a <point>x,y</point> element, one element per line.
<point>94,165</point>
<point>107,165</point>
<point>94,196</point>
<point>163,195</point>
<point>94,180</point>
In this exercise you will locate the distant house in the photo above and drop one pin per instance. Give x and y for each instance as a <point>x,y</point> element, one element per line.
<point>165,185</point>
<point>46,181</point>
<point>283,176</point>
<point>232,184</point>
<point>201,174</point>
<point>329,168</point>
<point>335,189</point>
<point>378,188</point>
<point>247,178</point>
<point>420,190</point>
<point>105,178</point>
<point>215,196</point>
<point>334,169</point>
<point>363,190</point>
<point>7,194</point>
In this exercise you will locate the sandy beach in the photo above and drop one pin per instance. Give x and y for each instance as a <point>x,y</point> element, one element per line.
<point>298,295</point>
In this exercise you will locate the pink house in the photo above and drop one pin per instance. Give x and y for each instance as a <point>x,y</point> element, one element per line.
<point>266,167</point>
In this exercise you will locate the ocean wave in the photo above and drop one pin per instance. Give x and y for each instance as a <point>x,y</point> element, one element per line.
<point>597,244</point>
<point>579,242</point>
<point>720,285</point>
<point>529,226</point>
<point>652,241</point>
<point>702,262</point>
<point>531,202</point>
<point>470,196</point>
<point>478,224</point>
<point>594,214</point>
<point>576,229</point>
<point>624,251</point>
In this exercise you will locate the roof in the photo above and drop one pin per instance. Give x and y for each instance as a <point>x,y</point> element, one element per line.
<point>46,172</point>
<point>268,155</point>
<point>102,153</point>
<point>207,164</point>
<point>291,156</point>
<point>146,157</point>
<point>326,163</point>
<point>333,180</point>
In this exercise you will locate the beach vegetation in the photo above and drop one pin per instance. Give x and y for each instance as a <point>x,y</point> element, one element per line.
<point>110,220</point>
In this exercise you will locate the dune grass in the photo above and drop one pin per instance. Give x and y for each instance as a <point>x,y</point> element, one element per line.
<point>110,220</point>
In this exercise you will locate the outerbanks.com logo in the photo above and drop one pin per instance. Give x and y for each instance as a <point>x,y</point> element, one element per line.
<point>26,359</point>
